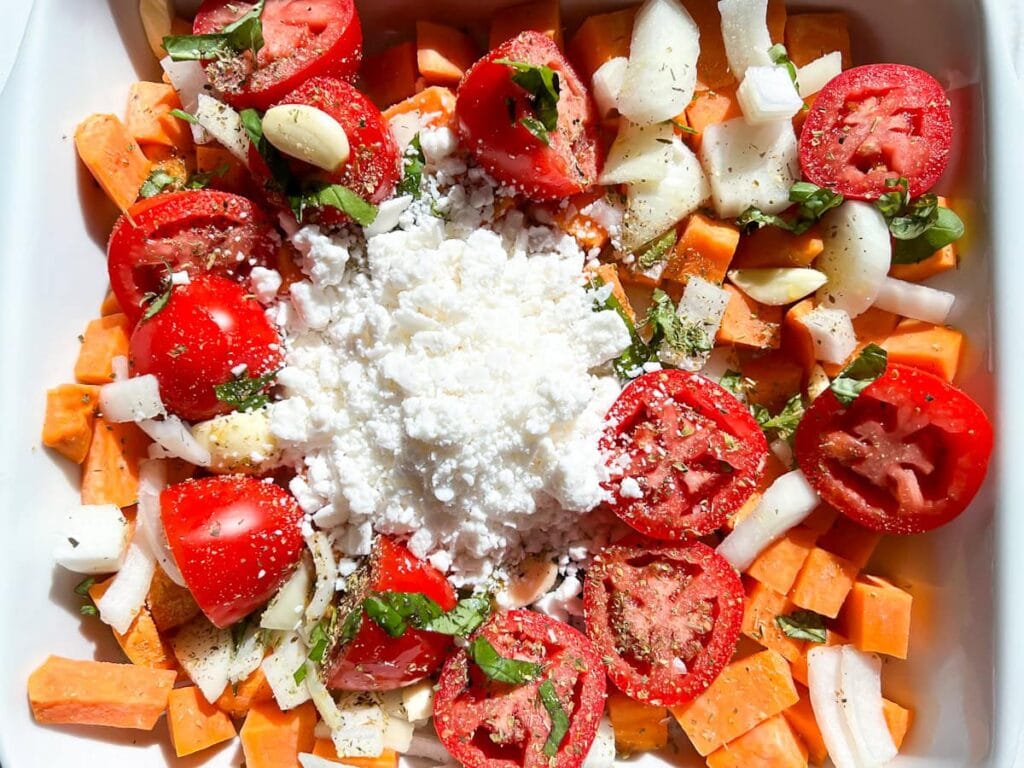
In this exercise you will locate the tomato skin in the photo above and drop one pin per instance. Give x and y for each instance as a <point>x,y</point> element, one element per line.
<point>506,149</point>
<point>375,661</point>
<point>236,540</point>
<point>630,584</point>
<point>196,231</point>
<point>906,421</point>
<point>874,124</point>
<point>374,168</point>
<point>692,496</point>
<point>207,328</point>
<point>466,698</point>
<point>302,40</point>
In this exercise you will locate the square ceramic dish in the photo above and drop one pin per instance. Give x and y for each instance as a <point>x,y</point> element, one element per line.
<point>966,674</point>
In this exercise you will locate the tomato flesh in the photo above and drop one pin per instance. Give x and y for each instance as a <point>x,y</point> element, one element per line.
<point>236,540</point>
<point>488,724</point>
<point>908,455</point>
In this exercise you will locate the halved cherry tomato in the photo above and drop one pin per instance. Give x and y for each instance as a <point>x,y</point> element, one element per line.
<point>491,109</point>
<point>236,540</point>
<point>210,332</point>
<point>373,660</point>
<point>874,124</point>
<point>665,620</point>
<point>197,231</point>
<point>374,165</point>
<point>488,724</point>
<point>906,456</point>
<point>301,39</point>
<point>683,454</point>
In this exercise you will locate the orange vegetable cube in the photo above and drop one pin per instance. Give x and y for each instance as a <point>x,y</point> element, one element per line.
<point>775,247</point>
<point>142,643</point>
<point>443,53</point>
<point>705,249</point>
<point>149,119</point>
<point>104,339</point>
<point>273,739</point>
<point>544,16</point>
<point>226,172</point>
<point>325,748</point>
<point>638,727</point>
<point>762,607</point>
<point>710,107</point>
<point>778,566</point>
<point>391,75</point>
<point>712,65</point>
<point>898,719</point>
<point>237,700</point>
<point>811,35</point>
<point>70,416</point>
<point>600,38</point>
<point>776,20</point>
<point>931,348</point>
<point>435,102</point>
<point>823,583</point>
<point>797,342</point>
<point>110,473</point>
<point>821,519</point>
<point>113,157</point>
<point>770,744</point>
<point>195,724</point>
<point>774,379</point>
<point>170,160</point>
<point>609,275</point>
<point>876,617</point>
<point>747,323</point>
<point>850,541</point>
<point>110,306</point>
<point>942,260</point>
<point>801,718</point>
<point>170,606</point>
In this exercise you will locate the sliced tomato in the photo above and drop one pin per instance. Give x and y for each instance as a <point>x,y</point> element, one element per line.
<point>373,660</point>
<point>301,39</point>
<point>374,165</point>
<point>196,232</point>
<point>683,454</point>
<point>491,108</point>
<point>488,724</point>
<point>906,456</point>
<point>666,620</point>
<point>875,124</point>
<point>236,540</point>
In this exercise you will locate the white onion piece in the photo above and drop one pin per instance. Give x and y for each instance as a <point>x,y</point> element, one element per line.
<point>824,682</point>
<point>856,258</point>
<point>720,362</point>
<point>152,481</point>
<point>418,702</point>
<point>326,576</point>
<point>777,286</point>
<point>818,382</point>
<point>127,593</point>
<point>786,503</point>
<point>702,304</point>
<point>602,750</point>
<point>919,302</point>
<point>745,33</point>
<point>832,334</point>
<point>641,154</point>
<point>279,668</point>
<point>225,125</point>
<point>93,539</point>
<point>322,699</point>
<point>767,94</point>
<point>404,128</point>
<point>205,653</point>
<point>189,80</point>
<point>362,728</point>
<point>397,734</point>
<point>783,451</point>
<point>285,609</point>
<point>861,686</point>
<point>426,744</point>
<point>173,435</point>
<point>815,75</point>
<point>119,368</point>
<point>248,656</point>
<point>309,760</point>
<point>131,399</point>
<point>606,84</point>
<point>662,70</point>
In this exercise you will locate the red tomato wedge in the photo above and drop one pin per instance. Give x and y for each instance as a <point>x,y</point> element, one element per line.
<point>906,456</point>
<point>874,124</point>
<point>683,454</point>
<point>487,724</point>
<point>301,39</point>
<point>207,330</point>
<point>491,109</point>
<point>665,620</point>
<point>197,231</point>
<point>373,660</point>
<point>236,540</point>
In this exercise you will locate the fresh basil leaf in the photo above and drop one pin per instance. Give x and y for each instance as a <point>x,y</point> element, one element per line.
<point>412,169</point>
<point>657,251</point>
<point>947,228</point>
<point>202,179</point>
<point>542,83</point>
<point>803,625</point>
<point>559,720</point>
<point>689,339</point>
<point>536,127</point>
<point>246,32</point>
<point>156,182</point>
<point>245,393</point>
<point>319,639</point>
<point>335,196</point>
<point>865,369</point>
<point>780,56</point>
<point>736,383</point>
<point>892,204</point>
<point>89,609</point>
<point>280,171</point>
<point>155,302</point>
<point>395,612</point>
<point>83,587</point>
<point>243,34</point>
<point>183,115</point>
<point>497,667</point>
<point>462,620</point>
<point>300,674</point>
<point>752,219</point>
<point>813,201</point>
<point>915,219</point>
<point>784,424</point>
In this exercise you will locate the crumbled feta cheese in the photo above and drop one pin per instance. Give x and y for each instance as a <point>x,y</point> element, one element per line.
<point>265,283</point>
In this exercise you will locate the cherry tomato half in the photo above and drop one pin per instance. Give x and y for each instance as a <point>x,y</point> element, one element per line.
<point>488,724</point>
<point>906,456</point>
<point>197,231</point>
<point>491,109</point>
<point>301,39</point>
<point>874,124</point>
<point>665,620</point>
<point>683,454</point>
<point>236,540</point>
<point>373,660</point>
<point>208,330</point>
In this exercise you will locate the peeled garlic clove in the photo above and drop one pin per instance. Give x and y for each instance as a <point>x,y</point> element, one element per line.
<point>777,286</point>
<point>533,578</point>
<point>308,134</point>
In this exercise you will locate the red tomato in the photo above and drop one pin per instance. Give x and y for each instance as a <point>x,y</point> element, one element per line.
<point>207,328</point>
<point>487,724</point>
<point>195,232</point>
<point>684,454</point>
<point>301,39</point>
<point>236,540</point>
<point>875,124</point>
<point>906,456</point>
<point>665,620</point>
<point>490,109</point>
<point>374,167</point>
<point>375,661</point>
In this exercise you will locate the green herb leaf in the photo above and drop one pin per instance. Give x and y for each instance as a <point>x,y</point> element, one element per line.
<point>780,56</point>
<point>280,172</point>
<point>89,610</point>
<point>183,115</point>
<point>638,352</point>
<point>412,169</point>
<point>559,720</point>
<point>536,127</point>
<point>300,674</point>
<point>395,612</point>
<point>812,203</point>
<point>689,339</point>
<point>785,423</point>
<point>656,251</point>
<point>497,667</point>
<point>335,196</point>
<point>157,182</point>
<point>736,383</point>
<point>803,625</point>
<point>462,620</point>
<point>243,34</point>
<point>859,374</point>
<point>893,203</point>
<point>82,590</point>
<point>542,83</point>
<point>319,639</point>
<point>154,302</point>
<point>681,126</point>
<point>83,587</point>
<point>946,228</point>
<point>202,179</point>
<point>245,393</point>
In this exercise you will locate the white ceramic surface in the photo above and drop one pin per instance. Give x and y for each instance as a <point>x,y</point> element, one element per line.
<point>966,674</point>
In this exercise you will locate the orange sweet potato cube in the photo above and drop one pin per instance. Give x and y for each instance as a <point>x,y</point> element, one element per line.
<point>763,606</point>
<point>770,744</point>
<point>850,541</point>
<point>823,583</point>
<point>778,566</point>
<point>876,617</point>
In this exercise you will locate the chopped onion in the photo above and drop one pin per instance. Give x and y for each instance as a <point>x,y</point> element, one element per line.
<point>640,154</point>
<point>119,368</point>
<point>702,304</point>
<point>322,699</point>
<point>309,760</point>
<point>745,34</point>
<point>861,685</point>
<point>824,682</point>
<point>786,503</point>
<point>920,302</point>
<point>767,94</point>
<point>286,607</point>
<point>602,751</point>
<point>127,593</point>
<point>856,258</point>
<point>418,702</point>
<point>404,128</point>
<point>815,75</point>
<point>398,734</point>
<point>362,728</point>
<point>279,668</point>
<point>93,539</point>
<point>832,334</point>
<point>205,653</point>
<point>225,125</point>
<point>606,84</point>
<point>152,481</point>
<point>131,399</point>
<point>818,382</point>
<point>326,576</point>
<point>662,70</point>
<point>777,287</point>
<point>173,435</point>
<point>783,451</point>
<point>426,744</point>
<point>248,656</point>
<point>189,80</point>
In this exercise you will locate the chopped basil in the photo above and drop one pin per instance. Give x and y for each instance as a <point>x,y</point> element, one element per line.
<point>803,625</point>
<point>780,56</point>
<point>155,302</point>
<point>920,226</point>
<point>243,34</point>
<point>784,424</point>
<point>736,383</point>
<point>245,393</point>
<point>462,620</point>
<point>681,126</point>
<point>395,612</point>
<point>536,127</point>
<point>301,673</point>
<point>812,203</point>
<point>893,203</point>
<point>689,339</point>
<point>657,250</point>
<point>319,639</point>
<point>497,667</point>
<point>859,374</point>
<point>335,196</point>
<point>559,720</point>
<point>202,179</point>
<point>412,169</point>
<point>542,83</point>
<point>280,172</point>
<point>183,115</point>
<point>946,228</point>
<point>83,587</point>
<point>88,607</point>
<point>89,610</point>
<point>157,182</point>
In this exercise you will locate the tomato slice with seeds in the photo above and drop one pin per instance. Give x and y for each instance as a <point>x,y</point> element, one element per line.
<point>666,620</point>
<point>683,454</point>
<point>488,724</point>
<point>908,455</point>
<point>874,124</point>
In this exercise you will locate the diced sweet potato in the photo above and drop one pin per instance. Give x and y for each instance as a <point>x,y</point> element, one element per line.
<point>873,326</point>
<point>705,249</point>
<point>931,348</point>
<point>170,606</point>
<point>762,607</point>
<point>811,35</point>
<point>273,739</point>
<point>797,342</point>
<point>110,473</point>
<point>775,247</point>
<point>391,75</point>
<point>226,172</point>
<point>775,378</point>
<point>325,748</point>
<point>600,38</point>
<point>195,724</point>
<point>799,667</point>
<point>710,107</point>
<point>941,261</point>
<point>876,617</point>
<point>113,157</point>
<point>850,541</point>
<point>443,53</point>
<point>436,102</point>
<point>110,305</point>
<point>104,339</point>
<point>801,718</point>
<point>237,700</point>
<point>149,119</point>
<point>749,324</point>
<point>638,727</point>
<point>823,583</point>
<point>778,566</point>
<point>898,719</point>
<point>770,744</point>
<point>142,643</point>
<point>70,416</point>
<point>544,16</point>
<point>609,275</point>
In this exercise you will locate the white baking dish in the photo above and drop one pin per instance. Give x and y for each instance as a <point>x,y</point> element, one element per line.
<point>966,674</point>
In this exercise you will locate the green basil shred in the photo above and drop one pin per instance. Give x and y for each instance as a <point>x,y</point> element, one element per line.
<point>865,369</point>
